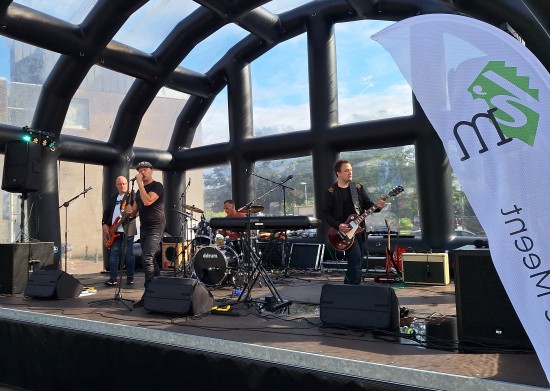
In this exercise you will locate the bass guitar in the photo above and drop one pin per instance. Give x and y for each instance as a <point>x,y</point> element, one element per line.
<point>110,237</point>
<point>112,234</point>
<point>344,240</point>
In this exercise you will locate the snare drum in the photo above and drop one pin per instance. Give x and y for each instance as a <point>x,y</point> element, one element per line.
<point>211,264</point>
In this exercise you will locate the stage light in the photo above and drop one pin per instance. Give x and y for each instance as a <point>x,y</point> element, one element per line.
<point>46,139</point>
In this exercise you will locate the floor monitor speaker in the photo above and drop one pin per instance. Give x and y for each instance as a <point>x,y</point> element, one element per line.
<point>54,284</point>
<point>365,306</point>
<point>486,318</point>
<point>177,296</point>
<point>22,167</point>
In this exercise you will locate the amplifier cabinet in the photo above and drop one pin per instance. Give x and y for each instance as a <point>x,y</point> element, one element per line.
<point>426,268</point>
<point>15,261</point>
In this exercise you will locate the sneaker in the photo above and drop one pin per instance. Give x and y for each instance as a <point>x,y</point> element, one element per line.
<point>110,282</point>
<point>138,304</point>
<point>130,281</point>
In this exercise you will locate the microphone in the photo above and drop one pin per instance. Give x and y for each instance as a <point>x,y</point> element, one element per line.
<point>88,189</point>
<point>189,182</point>
<point>288,178</point>
<point>133,179</point>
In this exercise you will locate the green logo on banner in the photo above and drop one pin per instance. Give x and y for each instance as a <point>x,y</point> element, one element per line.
<point>510,98</point>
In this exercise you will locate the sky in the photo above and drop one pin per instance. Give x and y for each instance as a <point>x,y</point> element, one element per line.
<point>369,83</point>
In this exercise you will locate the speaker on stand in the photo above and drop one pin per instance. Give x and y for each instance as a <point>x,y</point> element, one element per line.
<point>21,174</point>
<point>22,167</point>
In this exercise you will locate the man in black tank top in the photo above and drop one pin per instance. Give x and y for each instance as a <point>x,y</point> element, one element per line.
<point>150,204</point>
<point>338,206</point>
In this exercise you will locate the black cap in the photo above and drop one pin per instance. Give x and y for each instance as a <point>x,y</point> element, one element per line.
<point>144,164</point>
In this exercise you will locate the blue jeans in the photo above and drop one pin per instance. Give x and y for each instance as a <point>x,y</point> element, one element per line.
<point>354,258</point>
<point>114,257</point>
<point>149,245</point>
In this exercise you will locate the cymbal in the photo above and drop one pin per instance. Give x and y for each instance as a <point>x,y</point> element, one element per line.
<point>193,208</point>
<point>253,209</point>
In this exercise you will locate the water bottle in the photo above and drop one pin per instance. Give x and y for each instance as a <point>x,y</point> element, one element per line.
<point>418,329</point>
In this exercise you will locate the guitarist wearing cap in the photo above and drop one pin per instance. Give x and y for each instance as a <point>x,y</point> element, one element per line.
<point>345,198</point>
<point>113,221</point>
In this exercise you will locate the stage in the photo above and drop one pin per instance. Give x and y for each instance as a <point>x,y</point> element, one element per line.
<point>64,344</point>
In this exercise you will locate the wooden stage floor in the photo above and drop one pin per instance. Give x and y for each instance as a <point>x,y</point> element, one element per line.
<point>301,329</point>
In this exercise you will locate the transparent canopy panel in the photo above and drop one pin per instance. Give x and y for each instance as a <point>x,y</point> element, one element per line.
<point>95,105</point>
<point>280,89</point>
<point>207,52</point>
<point>370,85</point>
<point>379,171</point>
<point>157,126</point>
<point>214,127</point>
<point>148,26</point>
<point>288,200</point>
<point>72,11</point>
<point>280,6</point>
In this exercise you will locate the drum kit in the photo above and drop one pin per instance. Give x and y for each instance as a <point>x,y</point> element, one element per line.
<point>215,260</point>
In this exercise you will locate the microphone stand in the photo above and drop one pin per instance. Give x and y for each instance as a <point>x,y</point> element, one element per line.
<point>279,184</point>
<point>258,270</point>
<point>66,206</point>
<point>183,233</point>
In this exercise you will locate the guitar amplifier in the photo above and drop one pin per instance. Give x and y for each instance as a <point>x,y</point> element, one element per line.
<point>429,269</point>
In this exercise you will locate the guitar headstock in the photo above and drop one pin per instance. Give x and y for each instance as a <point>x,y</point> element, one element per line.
<point>396,190</point>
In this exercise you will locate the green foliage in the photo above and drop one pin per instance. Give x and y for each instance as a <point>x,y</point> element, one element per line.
<point>378,170</point>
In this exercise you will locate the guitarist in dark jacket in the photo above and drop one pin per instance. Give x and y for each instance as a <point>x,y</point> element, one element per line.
<point>112,217</point>
<point>342,199</point>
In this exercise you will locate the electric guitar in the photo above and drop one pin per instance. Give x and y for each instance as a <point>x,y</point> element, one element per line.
<point>344,240</point>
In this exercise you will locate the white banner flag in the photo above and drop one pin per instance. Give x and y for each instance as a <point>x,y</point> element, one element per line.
<point>488,98</point>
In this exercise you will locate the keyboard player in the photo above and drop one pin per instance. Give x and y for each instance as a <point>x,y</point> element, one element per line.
<point>231,237</point>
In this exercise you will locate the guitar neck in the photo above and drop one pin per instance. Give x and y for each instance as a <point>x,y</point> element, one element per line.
<point>369,211</point>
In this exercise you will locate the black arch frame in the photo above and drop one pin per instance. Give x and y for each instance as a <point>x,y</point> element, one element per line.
<point>90,43</point>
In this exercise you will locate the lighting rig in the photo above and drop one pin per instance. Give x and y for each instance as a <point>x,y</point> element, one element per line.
<point>46,139</point>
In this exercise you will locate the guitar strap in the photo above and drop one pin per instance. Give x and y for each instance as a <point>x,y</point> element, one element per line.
<point>355,196</point>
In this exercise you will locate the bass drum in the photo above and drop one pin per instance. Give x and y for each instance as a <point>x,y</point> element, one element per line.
<point>211,264</point>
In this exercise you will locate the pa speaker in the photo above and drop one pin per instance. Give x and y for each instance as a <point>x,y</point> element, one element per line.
<point>15,260</point>
<point>485,316</point>
<point>177,296</point>
<point>364,306</point>
<point>22,167</point>
<point>172,255</point>
<point>54,284</point>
